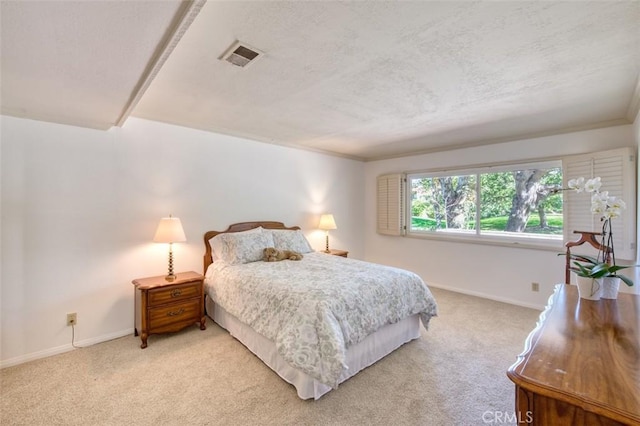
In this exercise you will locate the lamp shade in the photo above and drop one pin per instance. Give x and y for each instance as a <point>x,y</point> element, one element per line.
<point>169,231</point>
<point>327,222</point>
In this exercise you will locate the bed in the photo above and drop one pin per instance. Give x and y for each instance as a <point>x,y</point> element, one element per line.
<point>318,321</point>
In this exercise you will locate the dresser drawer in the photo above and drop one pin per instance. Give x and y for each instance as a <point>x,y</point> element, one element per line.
<point>174,316</point>
<point>161,296</point>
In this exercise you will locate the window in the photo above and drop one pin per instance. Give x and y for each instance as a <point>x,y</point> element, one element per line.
<point>510,203</point>
<point>507,202</point>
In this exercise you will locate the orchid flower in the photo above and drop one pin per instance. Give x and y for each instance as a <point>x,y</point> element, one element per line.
<point>598,206</point>
<point>607,207</point>
<point>614,208</point>
<point>617,203</point>
<point>593,185</point>
<point>576,184</point>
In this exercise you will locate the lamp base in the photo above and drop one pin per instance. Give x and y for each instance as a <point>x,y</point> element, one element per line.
<point>170,276</point>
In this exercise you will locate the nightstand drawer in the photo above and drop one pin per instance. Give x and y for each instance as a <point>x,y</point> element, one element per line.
<point>174,293</point>
<point>170,317</point>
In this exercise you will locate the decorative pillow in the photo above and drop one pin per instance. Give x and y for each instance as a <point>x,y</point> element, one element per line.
<point>293,240</point>
<point>236,247</point>
<point>216,242</point>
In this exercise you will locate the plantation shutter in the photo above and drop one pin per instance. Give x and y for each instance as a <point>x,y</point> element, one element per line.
<point>390,204</point>
<point>617,168</point>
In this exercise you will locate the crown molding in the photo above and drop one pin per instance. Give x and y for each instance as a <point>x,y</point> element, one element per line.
<point>514,138</point>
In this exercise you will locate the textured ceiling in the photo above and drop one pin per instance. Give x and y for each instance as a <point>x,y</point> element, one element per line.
<point>361,79</point>
<point>82,62</point>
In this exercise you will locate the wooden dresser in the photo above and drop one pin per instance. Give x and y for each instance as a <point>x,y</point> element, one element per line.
<point>581,364</point>
<point>163,307</point>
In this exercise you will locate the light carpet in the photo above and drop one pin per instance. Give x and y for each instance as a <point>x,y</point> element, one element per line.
<point>455,374</point>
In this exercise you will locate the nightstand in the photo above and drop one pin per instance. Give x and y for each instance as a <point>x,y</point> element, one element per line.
<point>342,253</point>
<point>164,307</point>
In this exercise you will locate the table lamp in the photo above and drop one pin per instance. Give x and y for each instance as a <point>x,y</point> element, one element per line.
<point>327,222</point>
<point>170,231</point>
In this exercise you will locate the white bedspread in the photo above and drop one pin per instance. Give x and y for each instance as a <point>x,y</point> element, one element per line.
<point>314,309</point>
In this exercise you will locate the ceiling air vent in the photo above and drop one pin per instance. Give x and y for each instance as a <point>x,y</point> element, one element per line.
<point>241,55</point>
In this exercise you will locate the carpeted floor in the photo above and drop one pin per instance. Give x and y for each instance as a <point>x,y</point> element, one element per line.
<point>453,375</point>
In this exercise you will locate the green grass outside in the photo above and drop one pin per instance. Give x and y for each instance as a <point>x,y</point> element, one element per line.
<point>499,224</point>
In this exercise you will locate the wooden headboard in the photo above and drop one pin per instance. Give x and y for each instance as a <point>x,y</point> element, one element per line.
<point>237,227</point>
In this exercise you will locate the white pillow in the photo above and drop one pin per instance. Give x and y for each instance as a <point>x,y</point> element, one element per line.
<point>240,247</point>
<point>286,239</point>
<point>216,242</point>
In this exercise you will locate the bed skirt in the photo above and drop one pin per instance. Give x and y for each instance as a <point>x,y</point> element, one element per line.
<point>359,356</point>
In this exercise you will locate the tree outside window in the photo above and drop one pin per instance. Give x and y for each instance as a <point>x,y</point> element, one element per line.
<point>517,202</point>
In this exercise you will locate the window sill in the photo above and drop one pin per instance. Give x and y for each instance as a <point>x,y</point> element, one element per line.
<point>531,243</point>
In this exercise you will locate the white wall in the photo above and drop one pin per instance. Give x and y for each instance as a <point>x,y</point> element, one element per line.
<point>496,272</point>
<point>80,207</point>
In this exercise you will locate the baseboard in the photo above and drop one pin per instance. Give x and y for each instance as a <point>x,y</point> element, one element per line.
<point>64,348</point>
<point>106,337</point>
<point>488,296</point>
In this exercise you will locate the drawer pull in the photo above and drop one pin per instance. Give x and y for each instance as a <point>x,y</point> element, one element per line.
<point>176,292</point>
<point>175,313</point>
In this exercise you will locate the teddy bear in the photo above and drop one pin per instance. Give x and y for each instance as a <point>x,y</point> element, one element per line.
<point>271,254</point>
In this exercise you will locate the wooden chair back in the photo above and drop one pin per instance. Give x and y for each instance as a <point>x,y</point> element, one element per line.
<point>585,237</point>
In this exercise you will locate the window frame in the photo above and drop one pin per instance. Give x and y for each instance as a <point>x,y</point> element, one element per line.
<point>542,241</point>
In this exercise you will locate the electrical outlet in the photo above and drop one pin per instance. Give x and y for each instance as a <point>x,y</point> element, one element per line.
<point>72,319</point>
<point>535,287</point>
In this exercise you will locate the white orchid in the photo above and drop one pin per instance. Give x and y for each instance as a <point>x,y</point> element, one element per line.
<point>601,203</point>
<point>617,203</point>
<point>614,208</point>
<point>603,196</point>
<point>611,213</point>
<point>598,206</point>
<point>576,184</point>
<point>608,208</point>
<point>593,185</point>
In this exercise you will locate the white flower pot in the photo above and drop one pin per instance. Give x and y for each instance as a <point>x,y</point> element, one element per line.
<point>610,287</point>
<point>589,288</point>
